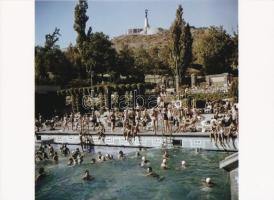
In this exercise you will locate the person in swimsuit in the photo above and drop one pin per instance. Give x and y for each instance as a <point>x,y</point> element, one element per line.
<point>166,124</point>
<point>112,121</point>
<point>154,117</point>
<point>101,131</point>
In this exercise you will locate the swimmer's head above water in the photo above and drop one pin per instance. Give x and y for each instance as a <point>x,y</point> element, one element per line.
<point>41,170</point>
<point>149,169</point>
<point>208,180</point>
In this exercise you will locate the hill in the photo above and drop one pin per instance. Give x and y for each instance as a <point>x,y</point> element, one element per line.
<point>159,40</point>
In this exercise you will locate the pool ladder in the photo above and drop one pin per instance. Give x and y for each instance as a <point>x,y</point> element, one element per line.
<point>167,142</point>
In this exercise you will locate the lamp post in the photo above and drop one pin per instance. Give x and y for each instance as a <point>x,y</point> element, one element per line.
<point>89,70</point>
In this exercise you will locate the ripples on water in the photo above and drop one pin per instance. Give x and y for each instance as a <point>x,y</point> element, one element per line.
<point>124,180</point>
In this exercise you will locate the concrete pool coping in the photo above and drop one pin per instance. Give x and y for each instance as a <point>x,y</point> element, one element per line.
<point>194,140</point>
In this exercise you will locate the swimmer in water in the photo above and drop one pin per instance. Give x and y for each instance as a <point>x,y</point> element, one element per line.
<point>144,161</point>
<point>80,159</point>
<point>121,155</point>
<point>41,174</point>
<point>62,148</point>
<point>101,158</point>
<point>65,150</point>
<point>164,164</point>
<point>99,155</point>
<point>138,154</point>
<point>38,156</point>
<point>51,151</point>
<point>183,164</point>
<point>165,156</point>
<point>207,182</point>
<point>75,154</point>
<point>151,173</point>
<point>45,155</point>
<point>41,148</point>
<point>55,157</point>
<point>93,161</point>
<point>70,162</point>
<point>78,151</point>
<point>87,176</point>
<point>107,156</point>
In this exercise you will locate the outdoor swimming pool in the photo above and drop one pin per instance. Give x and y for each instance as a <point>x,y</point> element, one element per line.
<point>124,179</point>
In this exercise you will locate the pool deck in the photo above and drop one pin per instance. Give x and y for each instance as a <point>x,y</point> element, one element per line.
<point>118,132</point>
<point>197,140</point>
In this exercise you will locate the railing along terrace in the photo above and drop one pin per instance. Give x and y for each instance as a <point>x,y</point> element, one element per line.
<point>209,90</point>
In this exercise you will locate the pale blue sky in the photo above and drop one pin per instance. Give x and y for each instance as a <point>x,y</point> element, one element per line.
<point>114,17</point>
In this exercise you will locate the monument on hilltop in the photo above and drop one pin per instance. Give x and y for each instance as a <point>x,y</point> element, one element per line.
<point>147,30</point>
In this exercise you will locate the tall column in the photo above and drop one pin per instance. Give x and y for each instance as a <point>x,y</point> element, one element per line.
<point>193,80</point>
<point>225,79</point>
<point>73,103</point>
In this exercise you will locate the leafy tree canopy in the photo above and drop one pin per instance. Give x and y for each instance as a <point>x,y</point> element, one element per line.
<point>213,49</point>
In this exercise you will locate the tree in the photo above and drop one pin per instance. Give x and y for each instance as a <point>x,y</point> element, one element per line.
<point>234,56</point>
<point>51,39</point>
<point>125,61</point>
<point>80,20</point>
<point>213,49</point>
<point>73,56</point>
<point>177,35</point>
<point>187,57</point>
<point>40,68</point>
<point>129,66</point>
<point>98,54</point>
<point>143,60</point>
<point>233,91</point>
<point>158,63</point>
<point>51,64</point>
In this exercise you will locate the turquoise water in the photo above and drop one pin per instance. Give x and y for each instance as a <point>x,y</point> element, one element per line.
<point>124,179</point>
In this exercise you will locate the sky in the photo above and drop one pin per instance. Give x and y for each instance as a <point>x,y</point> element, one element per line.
<point>114,17</point>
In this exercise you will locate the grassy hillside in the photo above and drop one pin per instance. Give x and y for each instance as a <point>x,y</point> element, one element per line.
<point>159,40</point>
<point>136,41</point>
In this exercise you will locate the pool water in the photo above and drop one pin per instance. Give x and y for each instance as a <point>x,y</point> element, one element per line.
<point>124,179</point>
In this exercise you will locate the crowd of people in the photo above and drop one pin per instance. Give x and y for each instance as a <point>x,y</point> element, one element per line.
<point>224,124</point>
<point>77,158</point>
<point>165,118</point>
